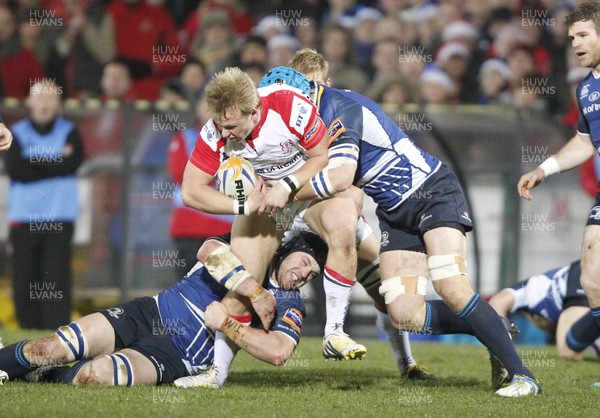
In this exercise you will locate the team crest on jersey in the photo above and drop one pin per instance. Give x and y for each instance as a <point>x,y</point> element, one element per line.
<point>210,135</point>
<point>594,96</point>
<point>294,318</point>
<point>336,128</point>
<point>287,147</point>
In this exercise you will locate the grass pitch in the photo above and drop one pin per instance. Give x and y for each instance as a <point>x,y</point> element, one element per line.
<point>308,386</point>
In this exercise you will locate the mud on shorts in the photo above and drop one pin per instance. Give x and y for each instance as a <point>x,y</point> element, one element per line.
<point>138,326</point>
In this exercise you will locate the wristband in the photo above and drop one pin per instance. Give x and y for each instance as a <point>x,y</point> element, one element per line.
<point>290,183</point>
<point>240,207</point>
<point>233,329</point>
<point>550,166</point>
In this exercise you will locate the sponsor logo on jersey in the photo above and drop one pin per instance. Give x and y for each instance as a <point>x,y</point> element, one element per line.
<point>294,318</point>
<point>279,167</point>
<point>585,91</point>
<point>299,114</point>
<point>115,312</point>
<point>312,131</point>
<point>336,128</point>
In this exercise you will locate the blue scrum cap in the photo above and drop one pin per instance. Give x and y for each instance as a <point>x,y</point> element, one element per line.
<point>288,76</point>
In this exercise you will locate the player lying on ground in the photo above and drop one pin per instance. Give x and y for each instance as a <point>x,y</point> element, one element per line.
<point>279,131</point>
<point>553,301</point>
<point>420,205</point>
<point>155,340</point>
<point>368,276</point>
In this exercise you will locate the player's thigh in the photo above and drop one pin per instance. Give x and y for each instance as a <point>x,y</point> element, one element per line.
<point>444,241</point>
<point>333,218</point>
<point>590,263</point>
<point>565,321</point>
<point>254,240</point>
<point>126,367</point>
<point>98,332</point>
<point>402,263</point>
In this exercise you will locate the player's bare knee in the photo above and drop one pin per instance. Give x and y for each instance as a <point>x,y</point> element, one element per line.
<point>45,351</point>
<point>98,372</point>
<point>404,298</point>
<point>207,248</point>
<point>340,226</point>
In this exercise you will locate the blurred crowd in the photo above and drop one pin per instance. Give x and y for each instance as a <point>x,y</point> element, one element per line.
<point>511,52</point>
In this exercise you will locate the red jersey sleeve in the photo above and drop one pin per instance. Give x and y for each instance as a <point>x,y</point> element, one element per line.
<point>177,158</point>
<point>301,117</point>
<point>207,152</point>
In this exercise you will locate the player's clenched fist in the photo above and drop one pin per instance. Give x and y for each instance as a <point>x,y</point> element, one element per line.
<point>215,315</point>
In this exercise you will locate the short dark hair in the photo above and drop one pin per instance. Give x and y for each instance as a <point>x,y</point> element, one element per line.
<point>590,10</point>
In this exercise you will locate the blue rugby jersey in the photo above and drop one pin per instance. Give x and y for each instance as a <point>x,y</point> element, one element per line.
<point>390,166</point>
<point>544,294</point>
<point>588,101</point>
<point>182,307</point>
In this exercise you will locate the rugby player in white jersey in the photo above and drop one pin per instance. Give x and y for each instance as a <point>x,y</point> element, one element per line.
<point>280,132</point>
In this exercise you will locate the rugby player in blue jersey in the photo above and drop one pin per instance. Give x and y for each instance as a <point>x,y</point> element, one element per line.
<point>584,32</point>
<point>423,218</point>
<point>155,340</point>
<point>553,301</point>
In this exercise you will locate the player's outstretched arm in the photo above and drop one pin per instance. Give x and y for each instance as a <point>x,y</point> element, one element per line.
<point>269,346</point>
<point>573,153</point>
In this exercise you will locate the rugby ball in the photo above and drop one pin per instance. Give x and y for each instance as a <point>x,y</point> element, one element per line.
<point>235,178</point>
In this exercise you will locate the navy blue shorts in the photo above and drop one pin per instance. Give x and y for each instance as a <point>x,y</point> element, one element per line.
<point>138,326</point>
<point>574,295</point>
<point>594,216</point>
<point>439,202</point>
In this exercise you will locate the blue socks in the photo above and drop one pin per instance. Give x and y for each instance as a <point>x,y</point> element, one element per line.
<point>489,329</point>
<point>13,361</point>
<point>585,331</point>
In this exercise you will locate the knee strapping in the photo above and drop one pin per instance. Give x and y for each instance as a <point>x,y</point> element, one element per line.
<point>393,287</point>
<point>226,268</point>
<point>445,266</point>
<point>73,341</point>
<point>122,370</point>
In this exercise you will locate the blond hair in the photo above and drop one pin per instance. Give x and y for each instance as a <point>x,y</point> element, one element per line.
<point>311,64</point>
<point>231,89</point>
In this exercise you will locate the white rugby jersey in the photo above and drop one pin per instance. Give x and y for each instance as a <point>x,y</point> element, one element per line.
<point>289,126</point>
